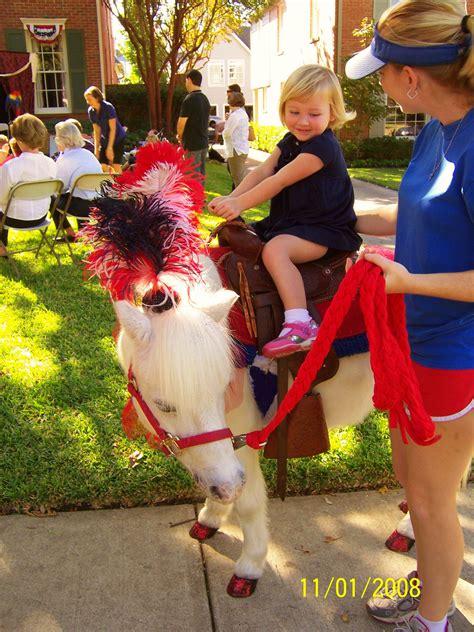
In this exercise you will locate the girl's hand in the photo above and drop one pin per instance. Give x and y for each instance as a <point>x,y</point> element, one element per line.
<point>226,207</point>
<point>109,152</point>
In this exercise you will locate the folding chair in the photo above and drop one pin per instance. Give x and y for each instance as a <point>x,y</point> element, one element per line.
<point>30,191</point>
<point>85,182</point>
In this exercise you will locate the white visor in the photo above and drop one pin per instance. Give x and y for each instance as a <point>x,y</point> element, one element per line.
<point>363,64</point>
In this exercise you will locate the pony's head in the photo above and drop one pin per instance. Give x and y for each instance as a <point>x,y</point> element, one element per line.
<point>182,363</point>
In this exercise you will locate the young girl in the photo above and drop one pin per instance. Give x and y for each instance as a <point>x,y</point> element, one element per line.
<point>311,196</point>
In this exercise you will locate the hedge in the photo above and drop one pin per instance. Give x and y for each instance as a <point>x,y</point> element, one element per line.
<point>369,152</point>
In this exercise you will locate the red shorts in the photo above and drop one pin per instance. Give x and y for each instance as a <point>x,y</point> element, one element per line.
<point>447,394</point>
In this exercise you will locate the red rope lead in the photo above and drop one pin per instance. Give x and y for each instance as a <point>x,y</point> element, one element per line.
<point>396,387</point>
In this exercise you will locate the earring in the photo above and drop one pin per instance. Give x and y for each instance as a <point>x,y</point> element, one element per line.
<point>413,95</point>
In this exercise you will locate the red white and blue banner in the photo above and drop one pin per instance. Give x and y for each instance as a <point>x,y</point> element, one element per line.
<point>45,33</point>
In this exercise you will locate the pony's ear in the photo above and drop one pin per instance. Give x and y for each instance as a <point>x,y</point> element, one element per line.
<point>219,306</point>
<point>134,321</point>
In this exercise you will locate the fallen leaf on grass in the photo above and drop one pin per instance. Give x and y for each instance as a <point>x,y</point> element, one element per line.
<point>329,502</point>
<point>345,617</point>
<point>134,458</point>
<point>300,548</point>
<point>383,490</point>
<point>329,539</point>
<point>42,512</point>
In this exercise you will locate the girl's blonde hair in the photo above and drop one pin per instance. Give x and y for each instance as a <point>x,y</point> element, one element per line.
<point>432,22</point>
<point>28,129</point>
<point>307,80</point>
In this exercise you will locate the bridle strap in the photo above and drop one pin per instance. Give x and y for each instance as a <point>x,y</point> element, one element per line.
<point>171,444</point>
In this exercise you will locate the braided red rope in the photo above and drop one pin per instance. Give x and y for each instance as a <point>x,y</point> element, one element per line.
<point>396,387</point>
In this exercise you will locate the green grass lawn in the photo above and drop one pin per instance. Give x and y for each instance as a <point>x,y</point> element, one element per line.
<point>389,177</point>
<point>62,392</point>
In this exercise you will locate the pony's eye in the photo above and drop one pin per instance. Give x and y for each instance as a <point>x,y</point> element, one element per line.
<point>164,406</point>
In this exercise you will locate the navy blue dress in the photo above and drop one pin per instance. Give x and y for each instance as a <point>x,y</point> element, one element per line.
<point>319,208</point>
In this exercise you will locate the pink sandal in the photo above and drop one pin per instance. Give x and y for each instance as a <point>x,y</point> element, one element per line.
<point>300,337</point>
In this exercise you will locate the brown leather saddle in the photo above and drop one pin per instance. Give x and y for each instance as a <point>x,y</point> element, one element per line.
<point>305,432</point>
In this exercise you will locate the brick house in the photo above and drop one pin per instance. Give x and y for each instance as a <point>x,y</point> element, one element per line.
<point>74,49</point>
<point>296,32</point>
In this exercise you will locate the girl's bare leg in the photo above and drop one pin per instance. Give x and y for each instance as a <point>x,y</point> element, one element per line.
<point>280,255</point>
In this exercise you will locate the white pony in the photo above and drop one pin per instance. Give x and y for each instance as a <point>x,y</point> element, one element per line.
<point>178,352</point>
<point>182,363</point>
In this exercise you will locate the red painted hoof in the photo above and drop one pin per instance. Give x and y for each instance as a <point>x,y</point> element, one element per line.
<point>201,532</point>
<point>241,587</point>
<point>399,543</point>
<point>403,506</point>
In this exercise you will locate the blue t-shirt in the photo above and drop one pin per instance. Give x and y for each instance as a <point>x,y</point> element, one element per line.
<point>435,234</point>
<point>101,118</point>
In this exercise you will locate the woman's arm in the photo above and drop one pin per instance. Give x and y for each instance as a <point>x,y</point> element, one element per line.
<point>454,286</point>
<point>96,131</point>
<point>381,222</point>
<point>298,169</point>
<point>109,152</point>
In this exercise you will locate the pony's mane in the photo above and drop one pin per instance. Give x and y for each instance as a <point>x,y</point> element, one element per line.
<point>179,334</point>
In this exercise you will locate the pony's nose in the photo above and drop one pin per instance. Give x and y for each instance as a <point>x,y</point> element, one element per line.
<point>228,492</point>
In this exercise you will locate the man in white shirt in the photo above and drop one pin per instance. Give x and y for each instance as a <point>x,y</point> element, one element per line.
<point>236,137</point>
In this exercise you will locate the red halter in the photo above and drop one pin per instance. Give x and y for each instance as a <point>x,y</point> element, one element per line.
<point>169,443</point>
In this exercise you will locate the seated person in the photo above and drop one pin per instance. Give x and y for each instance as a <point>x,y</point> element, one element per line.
<point>88,144</point>
<point>30,134</point>
<point>4,149</point>
<point>153,136</point>
<point>73,162</point>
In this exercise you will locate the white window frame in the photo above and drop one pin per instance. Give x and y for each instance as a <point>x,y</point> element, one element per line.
<point>32,47</point>
<point>212,64</point>
<point>230,79</point>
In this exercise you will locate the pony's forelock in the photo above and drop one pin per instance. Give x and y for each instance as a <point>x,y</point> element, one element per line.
<point>180,334</point>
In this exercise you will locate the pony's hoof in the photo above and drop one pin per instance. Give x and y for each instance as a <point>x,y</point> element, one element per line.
<point>399,543</point>
<point>241,587</point>
<point>403,506</point>
<point>200,532</point>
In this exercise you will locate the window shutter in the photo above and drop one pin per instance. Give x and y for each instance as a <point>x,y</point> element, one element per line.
<point>15,40</point>
<point>77,68</point>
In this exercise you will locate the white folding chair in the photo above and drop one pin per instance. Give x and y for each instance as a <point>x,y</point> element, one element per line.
<point>85,182</point>
<point>30,191</point>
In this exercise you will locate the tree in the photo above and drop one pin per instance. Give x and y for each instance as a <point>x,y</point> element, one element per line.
<point>171,36</point>
<point>365,96</point>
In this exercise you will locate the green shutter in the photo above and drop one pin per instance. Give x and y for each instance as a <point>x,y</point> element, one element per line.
<point>379,7</point>
<point>77,68</point>
<point>15,40</point>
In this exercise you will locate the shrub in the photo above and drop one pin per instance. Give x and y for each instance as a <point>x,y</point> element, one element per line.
<point>131,103</point>
<point>376,150</point>
<point>267,137</point>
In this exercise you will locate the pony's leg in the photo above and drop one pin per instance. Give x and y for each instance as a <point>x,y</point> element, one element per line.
<point>403,538</point>
<point>251,508</point>
<point>210,518</point>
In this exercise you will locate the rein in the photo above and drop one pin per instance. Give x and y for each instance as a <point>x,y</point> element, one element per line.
<point>396,388</point>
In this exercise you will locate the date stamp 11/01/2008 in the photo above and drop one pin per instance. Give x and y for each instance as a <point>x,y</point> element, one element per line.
<point>352,588</point>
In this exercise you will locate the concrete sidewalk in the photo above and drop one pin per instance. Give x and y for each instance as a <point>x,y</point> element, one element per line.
<point>137,569</point>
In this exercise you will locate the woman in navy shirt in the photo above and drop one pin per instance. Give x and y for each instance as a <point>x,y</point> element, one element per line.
<point>422,50</point>
<point>109,134</point>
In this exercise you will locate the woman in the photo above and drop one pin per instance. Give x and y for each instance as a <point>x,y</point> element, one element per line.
<point>236,138</point>
<point>30,134</point>
<point>422,50</point>
<point>109,135</point>
<point>73,162</point>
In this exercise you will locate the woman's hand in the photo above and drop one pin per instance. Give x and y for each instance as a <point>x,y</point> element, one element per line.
<point>226,207</point>
<point>109,153</point>
<point>397,277</point>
